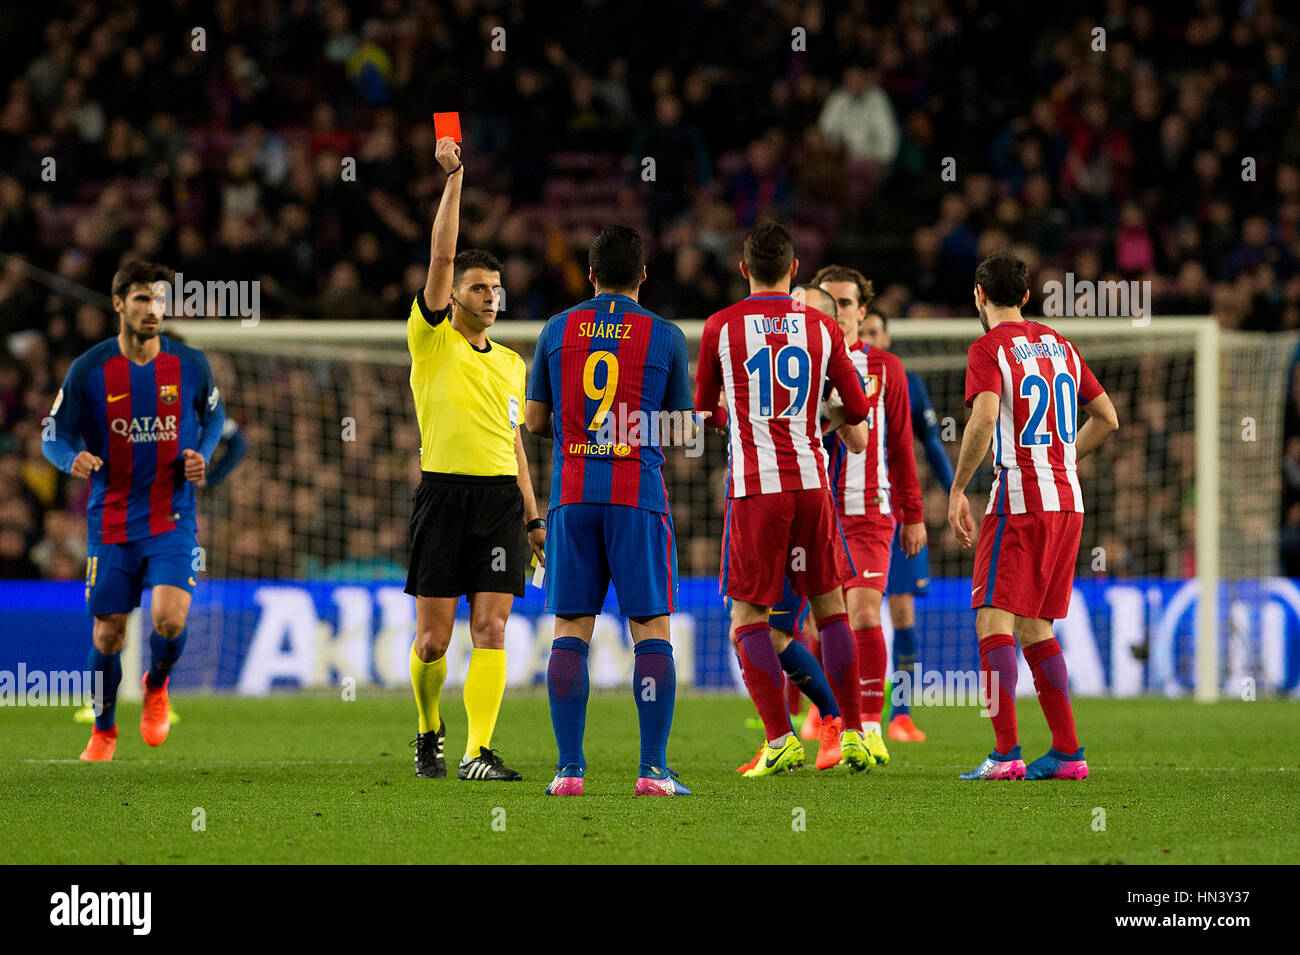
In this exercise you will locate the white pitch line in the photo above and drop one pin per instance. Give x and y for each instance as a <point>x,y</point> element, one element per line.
<point>373,762</point>
<point>219,762</point>
<point>1109,769</point>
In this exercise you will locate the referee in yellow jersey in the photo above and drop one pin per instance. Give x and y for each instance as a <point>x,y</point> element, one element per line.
<point>475,501</point>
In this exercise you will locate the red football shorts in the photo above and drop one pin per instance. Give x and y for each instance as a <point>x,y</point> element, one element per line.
<point>871,543</point>
<point>771,536</point>
<point>1024,563</point>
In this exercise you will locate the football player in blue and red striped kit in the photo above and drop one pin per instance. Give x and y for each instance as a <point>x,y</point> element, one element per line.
<point>909,577</point>
<point>140,416</point>
<point>603,373</point>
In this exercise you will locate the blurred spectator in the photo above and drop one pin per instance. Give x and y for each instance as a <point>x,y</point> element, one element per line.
<point>858,114</point>
<point>760,188</point>
<point>14,562</point>
<point>232,164</point>
<point>681,161</point>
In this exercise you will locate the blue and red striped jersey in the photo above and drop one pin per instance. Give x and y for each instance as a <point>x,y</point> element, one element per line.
<point>609,368</point>
<point>137,419</point>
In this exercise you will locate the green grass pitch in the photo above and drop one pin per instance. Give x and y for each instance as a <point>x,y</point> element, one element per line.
<point>311,778</point>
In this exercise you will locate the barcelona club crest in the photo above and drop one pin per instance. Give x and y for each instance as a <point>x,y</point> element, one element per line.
<point>168,394</point>
<point>871,385</point>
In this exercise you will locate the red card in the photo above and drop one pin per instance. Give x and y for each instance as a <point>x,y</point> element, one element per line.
<point>446,124</point>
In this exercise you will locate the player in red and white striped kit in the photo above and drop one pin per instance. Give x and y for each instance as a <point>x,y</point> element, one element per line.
<point>872,488</point>
<point>772,356</point>
<point>1024,385</point>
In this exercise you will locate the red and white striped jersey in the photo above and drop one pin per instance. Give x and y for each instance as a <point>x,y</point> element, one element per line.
<point>867,482</point>
<point>771,357</point>
<point>1041,381</point>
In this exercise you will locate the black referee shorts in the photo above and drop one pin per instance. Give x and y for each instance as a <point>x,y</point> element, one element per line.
<point>467,536</point>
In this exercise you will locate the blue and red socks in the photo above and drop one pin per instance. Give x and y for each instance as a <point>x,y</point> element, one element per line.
<point>106,673</point>
<point>761,669</point>
<point>840,662</point>
<point>163,656</point>
<point>568,687</point>
<point>654,681</point>
<point>998,670</point>
<point>806,673</point>
<point>904,670</point>
<point>1047,664</point>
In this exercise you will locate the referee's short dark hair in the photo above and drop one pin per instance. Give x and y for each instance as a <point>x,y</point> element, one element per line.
<point>617,258</point>
<point>1004,278</point>
<point>473,259</point>
<point>768,253</point>
<point>139,272</point>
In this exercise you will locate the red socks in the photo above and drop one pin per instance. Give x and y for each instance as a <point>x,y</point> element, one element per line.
<point>870,645</point>
<point>1047,663</point>
<point>998,659</point>
<point>764,677</point>
<point>840,662</point>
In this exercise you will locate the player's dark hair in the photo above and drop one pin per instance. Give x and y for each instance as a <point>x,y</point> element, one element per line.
<point>1004,278</point>
<point>769,250</point>
<point>139,272</point>
<point>617,257</point>
<point>842,273</point>
<point>884,319</point>
<point>473,259</point>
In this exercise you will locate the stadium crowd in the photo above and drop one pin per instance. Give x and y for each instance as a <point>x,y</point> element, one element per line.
<point>291,143</point>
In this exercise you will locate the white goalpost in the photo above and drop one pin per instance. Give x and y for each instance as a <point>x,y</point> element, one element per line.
<point>1154,499</point>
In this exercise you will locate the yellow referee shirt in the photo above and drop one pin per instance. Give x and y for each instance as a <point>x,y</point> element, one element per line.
<point>468,402</point>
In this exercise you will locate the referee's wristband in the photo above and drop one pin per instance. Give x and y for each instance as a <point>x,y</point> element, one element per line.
<point>456,170</point>
<point>536,524</point>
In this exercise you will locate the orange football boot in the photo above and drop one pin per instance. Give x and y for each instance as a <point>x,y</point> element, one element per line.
<point>903,729</point>
<point>812,725</point>
<point>155,719</point>
<point>101,746</point>
<point>753,762</point>
<point>828,750</point>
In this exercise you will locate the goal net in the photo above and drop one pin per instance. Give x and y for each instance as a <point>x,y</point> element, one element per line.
<point>305,544</point>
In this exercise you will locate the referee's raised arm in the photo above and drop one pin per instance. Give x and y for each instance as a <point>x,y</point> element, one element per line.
<point>446,228</point>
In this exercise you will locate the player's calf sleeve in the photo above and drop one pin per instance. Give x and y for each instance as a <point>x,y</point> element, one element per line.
<point>1047,664</point>
<point>568,687</point>
<point>840,662</point>
<point>106,675</point>
<point>163,654</point>
<point>870,644</point>
<point>427,680</point>
<point>654,681</point>
<point>762,671</point>
<point>485,684</point>
<point>998,686</point>
<point>806,674</point>
<point>905,669</point>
